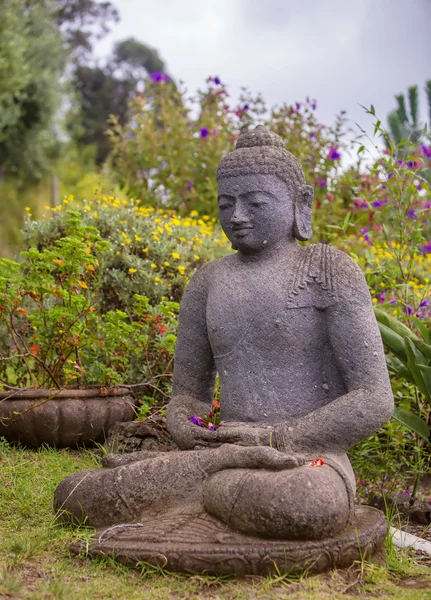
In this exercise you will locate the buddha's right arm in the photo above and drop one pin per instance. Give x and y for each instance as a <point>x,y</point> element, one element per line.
<point>194,367</point>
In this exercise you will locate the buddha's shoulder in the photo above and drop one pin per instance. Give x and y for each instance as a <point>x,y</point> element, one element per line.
<point>336,271</point>
<point>328,257</point>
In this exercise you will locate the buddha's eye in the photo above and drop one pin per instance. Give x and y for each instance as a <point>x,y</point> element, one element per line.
<point>257,203</point>
<point>224,205</point>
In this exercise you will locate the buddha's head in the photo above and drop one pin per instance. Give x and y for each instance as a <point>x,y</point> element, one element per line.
<point>263,197</point>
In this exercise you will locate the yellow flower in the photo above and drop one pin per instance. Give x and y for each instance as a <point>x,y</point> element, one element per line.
<point>90,268</point>
<point>144,249</point>
<point>47,207</point>
<point>58,262</point>
<point>194,213</point>
<point>83,285</point>
<point>153,266</point>
<point>166,263</point>
<point>132,270</point>
<point>87,250</point>
<point>157,280</point>
<point>86,207</point>
<point>175,255</point>
<point>181,269</point>
<point>27,208</point>
<point>196,256</point>
<point>137,238</point>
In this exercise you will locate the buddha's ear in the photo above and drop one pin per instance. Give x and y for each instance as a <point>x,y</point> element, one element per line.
<point>302,225</point>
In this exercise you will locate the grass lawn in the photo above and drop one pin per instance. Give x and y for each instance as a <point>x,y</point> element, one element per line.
<point>35,562</point>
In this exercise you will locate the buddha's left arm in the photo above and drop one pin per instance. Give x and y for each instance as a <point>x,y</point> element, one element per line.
<point>358,350</point>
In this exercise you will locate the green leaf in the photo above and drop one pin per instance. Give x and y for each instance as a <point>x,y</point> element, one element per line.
<point>413,422</point>
<point>398,368</point>
<point>361,149</point>
<point>394,324</point>
<point>426,376</point>
<point>413,358</point>
<point>424,348</point>
<point>423,329</point>
<point>393,341</point>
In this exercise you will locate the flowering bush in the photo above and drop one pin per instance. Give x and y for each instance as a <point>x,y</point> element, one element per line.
<point>53,333</point>
<point>168,159</point>
<point>149,252</point>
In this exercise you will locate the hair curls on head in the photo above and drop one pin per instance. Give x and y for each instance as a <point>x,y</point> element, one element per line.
<point>262,152</point>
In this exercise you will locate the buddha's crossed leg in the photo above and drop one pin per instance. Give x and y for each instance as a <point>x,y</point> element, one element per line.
<point>268,486</point>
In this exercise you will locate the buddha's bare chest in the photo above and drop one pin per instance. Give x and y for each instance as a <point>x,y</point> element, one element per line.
<point>255,315</point>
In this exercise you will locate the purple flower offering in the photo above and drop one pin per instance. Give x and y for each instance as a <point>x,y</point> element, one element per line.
<point>196,421</point>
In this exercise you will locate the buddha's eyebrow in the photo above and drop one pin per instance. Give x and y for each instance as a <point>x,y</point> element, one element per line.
<point>254,192</point>
<point>226,197</point>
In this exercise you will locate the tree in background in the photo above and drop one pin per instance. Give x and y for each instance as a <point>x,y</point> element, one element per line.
<point>404,123</point>
<point>102,92</point>
<point>32,61</point>
<point>82,22</point>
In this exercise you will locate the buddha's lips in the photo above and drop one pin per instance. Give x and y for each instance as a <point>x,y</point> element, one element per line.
<point>242,230</point>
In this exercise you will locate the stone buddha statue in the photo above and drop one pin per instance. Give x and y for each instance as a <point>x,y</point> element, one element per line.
<point>291,332</point>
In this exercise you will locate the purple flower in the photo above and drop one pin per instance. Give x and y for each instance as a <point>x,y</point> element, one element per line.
<point>190,183</point>
<point>245,107</point>
<point>297,105</point>
<point>411,214</point>
<point>312,135</point>
<point>314,105</point>
<point>217,80</point>
<point>321,182</point>
<point>159,77</point>
<point>204,132</point>
<point>196,421</point>
<point>214,132</point>
<point>333,153</point>
<point>366,236</point>
<point>426,151</point>
<point>382,297</point>
<point>390,175</point>
<point>400,162</point>
<point>412,164</point>
<point>212,427</point>
<point>377,203</point>
<point>393,301</point>
<point>409,310</point>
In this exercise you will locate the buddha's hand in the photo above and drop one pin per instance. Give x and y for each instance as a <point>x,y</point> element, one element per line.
<point>240,434</point>
<point>259,457</point>
<point>186,434</point>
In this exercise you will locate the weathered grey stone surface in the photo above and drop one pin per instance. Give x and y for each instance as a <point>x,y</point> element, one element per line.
<point>135,436</point>
<point>193,542</point>
<point>292,334</point>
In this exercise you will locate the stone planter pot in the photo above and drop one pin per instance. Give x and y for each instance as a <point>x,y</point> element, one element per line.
<point>63,418</point>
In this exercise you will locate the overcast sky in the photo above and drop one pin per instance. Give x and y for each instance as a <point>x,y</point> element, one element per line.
<point>342,52</point>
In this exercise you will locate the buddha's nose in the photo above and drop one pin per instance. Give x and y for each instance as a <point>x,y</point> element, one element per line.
<point>239,215</point>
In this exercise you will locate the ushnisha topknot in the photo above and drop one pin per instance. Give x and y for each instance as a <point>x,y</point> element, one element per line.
<point>260,151</point>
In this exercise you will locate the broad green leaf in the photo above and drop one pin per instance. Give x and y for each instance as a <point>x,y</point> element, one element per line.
<point>413,422</point>
<point>424,348</point>
<point>398,368</point>
<point>394,324</point>
<point>426,376</point>
<point>423,329</point>
<point>393,341</point>
<point>413,358</point>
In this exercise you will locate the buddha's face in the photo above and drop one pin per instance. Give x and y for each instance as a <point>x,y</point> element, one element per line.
<point>256,212</point>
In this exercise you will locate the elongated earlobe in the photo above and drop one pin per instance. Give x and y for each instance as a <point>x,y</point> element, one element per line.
<point>302,225</point>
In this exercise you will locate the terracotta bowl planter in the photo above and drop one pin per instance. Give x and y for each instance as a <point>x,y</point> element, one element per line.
<point>62,419</point>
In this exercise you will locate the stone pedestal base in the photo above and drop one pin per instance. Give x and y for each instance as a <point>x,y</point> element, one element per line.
<point>193,542</point>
